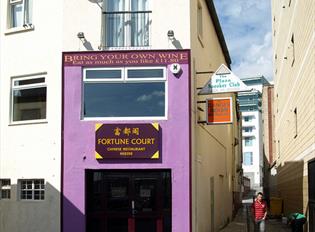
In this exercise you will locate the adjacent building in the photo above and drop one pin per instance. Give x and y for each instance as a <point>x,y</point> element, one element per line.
<point>294,88</point>
<point>252,125</point>
<point>269,142</point>
<point>102,127</point>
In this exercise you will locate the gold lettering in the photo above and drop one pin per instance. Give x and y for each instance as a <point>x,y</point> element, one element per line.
<point>68,58</point>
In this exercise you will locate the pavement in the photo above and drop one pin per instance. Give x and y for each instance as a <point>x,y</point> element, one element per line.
<point>239,223</point>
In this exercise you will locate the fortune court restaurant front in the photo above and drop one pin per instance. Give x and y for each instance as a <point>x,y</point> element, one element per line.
<point>126,141</point>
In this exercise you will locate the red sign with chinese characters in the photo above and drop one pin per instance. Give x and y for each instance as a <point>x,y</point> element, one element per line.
<point>127,141</point>
<point>219,110</point>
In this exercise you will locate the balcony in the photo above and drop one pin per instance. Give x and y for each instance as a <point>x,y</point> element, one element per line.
<point>125,29</point>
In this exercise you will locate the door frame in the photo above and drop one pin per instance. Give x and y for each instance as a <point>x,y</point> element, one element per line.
<point>132,174</point>
<point>311,222</point>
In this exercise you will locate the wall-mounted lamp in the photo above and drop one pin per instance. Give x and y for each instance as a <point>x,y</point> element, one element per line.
<point>170,35</point>
<point>81,36</point>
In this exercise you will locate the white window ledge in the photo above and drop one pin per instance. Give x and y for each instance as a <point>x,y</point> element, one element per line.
<point>19,29</point>
<point>28,122</point>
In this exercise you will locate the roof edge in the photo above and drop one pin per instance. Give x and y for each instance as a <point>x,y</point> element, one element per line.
<point>218,29</point>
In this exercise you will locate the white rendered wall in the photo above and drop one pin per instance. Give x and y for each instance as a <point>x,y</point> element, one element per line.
<point>87,17</point>
<point>30,151</point>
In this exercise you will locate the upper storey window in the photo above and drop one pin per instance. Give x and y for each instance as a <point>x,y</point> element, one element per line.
<point>28,99</point>
<point>125,93</point>
<point>20,13</point>
<point>127,23</point>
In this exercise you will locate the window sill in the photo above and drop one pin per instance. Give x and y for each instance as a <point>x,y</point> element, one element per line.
<point>15,30</point>
<point>124,119</point>
<point>28,122</point>
<point>125,48</point>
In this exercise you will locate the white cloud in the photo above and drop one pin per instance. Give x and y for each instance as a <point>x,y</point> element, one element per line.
<point>148,97</point>
<point>247,29</point>
<point>144,98</point>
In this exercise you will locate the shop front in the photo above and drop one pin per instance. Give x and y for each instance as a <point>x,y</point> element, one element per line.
<point>126,141</point>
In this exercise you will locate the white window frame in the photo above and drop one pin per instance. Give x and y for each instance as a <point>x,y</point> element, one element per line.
<point>127,28</point>
<point>85,79</point>
<point>26,25</point>
<point>125,79</point>
<point>30,86</point>
<point>250,139</point>
<point>32,189</point>
<point>5,187</point>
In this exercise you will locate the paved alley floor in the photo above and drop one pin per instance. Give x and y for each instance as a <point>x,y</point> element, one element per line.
<point>239,224</point>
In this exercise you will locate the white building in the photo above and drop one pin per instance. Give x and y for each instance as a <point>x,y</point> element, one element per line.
<point>33,35</point>
<point>250,106</point>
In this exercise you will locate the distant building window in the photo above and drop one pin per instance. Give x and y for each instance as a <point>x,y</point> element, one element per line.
<point>28,99</point>
<point>125,93</point>
<point>248,129</point>
<point>32,189</point>
<point>5,188</point>
<point>20,12</point>
<point>248,158</point>
<point>199,20</point>
<point>127,23</point>
<point>248,118</point>
<point>249,141</point>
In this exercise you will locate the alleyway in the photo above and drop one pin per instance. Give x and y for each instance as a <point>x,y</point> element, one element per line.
<point>239,224</point>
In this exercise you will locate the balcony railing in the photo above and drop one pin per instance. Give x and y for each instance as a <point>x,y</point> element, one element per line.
<point>127,29</point>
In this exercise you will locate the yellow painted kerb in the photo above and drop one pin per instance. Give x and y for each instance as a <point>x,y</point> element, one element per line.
<point>98,156</point>
<point>97,126</point>
<point>156,125</point>
<point>156,155</point>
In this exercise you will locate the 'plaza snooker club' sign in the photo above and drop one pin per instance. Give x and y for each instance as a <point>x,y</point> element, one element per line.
<point>127,141</point>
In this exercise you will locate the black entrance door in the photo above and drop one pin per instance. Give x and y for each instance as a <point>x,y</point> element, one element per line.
<point>128,201</point>
<point>311,184</point>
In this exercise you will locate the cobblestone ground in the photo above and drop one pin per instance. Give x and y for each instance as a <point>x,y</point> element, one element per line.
<point>239,224</point>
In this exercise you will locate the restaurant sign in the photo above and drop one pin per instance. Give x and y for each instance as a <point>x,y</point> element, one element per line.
<point>127,141</point>
<point>219,110</point>
<point>126,58</point>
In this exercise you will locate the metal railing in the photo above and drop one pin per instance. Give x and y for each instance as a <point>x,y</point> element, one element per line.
<point>127,29</point>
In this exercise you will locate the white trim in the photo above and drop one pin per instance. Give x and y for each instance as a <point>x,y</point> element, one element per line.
<point>145,78</point>
<point>125,79</point>
<point>13,30</point>
<point>123,118</point>
<point>23,87</point>
<point>85,79</point>
<point>12,2</point>
<point>306,152</point>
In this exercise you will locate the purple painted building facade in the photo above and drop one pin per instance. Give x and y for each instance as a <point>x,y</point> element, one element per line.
<point>126,193</point>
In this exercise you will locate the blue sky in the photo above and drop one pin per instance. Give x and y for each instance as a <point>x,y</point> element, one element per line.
<point>246,25</point>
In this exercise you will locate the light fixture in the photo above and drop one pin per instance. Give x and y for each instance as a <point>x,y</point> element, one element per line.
<point>81,35</point>
<point>170,35</point>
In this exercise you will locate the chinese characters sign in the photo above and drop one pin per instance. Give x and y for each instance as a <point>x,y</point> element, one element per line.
<point>127,141</point>
<point>219,110</point>
<point>127,58</point>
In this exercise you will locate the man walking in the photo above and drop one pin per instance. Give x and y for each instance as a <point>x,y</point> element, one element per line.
<point>259,211</point>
